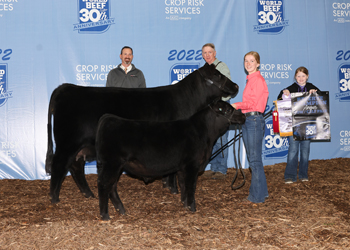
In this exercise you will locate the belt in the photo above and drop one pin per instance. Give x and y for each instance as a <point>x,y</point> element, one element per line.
<point>252,113</point>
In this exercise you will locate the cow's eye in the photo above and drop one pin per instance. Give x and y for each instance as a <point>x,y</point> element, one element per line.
<point>220,109</point>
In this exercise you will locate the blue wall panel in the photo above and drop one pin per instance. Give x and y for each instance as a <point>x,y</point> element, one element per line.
<point>46,43</point>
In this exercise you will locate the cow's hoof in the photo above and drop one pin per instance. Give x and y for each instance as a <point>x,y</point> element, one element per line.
<point>173,190</point>
<point>105,217</point>
<point>55,201</point>
<point>191,209</point>
<point>121,211</point>
<point>54,198</point>
<point>89,194</point>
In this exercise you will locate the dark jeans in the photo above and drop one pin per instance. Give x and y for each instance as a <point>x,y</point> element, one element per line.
<point>291,171</point>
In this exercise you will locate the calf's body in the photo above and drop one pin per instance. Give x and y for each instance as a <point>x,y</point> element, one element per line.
<point>151,149</point>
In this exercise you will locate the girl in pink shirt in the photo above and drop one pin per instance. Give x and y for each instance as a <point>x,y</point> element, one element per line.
<point>253,104</point>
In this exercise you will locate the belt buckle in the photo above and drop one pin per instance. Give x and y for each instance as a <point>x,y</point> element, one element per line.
<point>252,113</point>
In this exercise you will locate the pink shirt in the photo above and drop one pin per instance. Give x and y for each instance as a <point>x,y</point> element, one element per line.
<point>255,94</point>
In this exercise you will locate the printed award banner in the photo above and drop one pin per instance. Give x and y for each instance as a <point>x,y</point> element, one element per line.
<point>284,108</point>
<point>311,119</point>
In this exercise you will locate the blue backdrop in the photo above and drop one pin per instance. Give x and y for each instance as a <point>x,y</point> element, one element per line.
<point>46,43</point>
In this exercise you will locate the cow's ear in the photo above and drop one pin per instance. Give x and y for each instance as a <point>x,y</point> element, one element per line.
<point>203,70</point>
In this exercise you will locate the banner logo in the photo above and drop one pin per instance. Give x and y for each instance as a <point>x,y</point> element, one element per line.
<point>184,10</point>
<point>276,73</point>
<point>341,12</point>
<point>345,140</point>
<point>7,6</point>
<point>310,130</point>
<point>344,83</point>
<point>180,71</point>
<point>8,149</point>
<point>93,16</point>
<point>92,74</point>
<point>275,146</point>
<point>270,17</point>
<point>4,94</point>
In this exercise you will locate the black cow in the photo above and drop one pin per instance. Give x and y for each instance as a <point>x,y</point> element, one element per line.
<point>76,111</point>
<point>149,149</point>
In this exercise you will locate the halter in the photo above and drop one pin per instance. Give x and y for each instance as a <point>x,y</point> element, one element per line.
<point>211,82</point>
<point>220,72</point>
<point>229,119</point>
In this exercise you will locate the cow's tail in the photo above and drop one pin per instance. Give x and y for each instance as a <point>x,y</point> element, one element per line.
<point>49,153</point>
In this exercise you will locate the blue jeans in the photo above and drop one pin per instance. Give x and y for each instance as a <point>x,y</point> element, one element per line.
<point>219,163</point>
<point>291,171</point>
<point>253,134</point>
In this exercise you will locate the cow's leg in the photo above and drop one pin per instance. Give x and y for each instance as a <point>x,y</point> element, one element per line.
<point>77,170</point>
<point>169,182</point>
<point>190,187</point>
<point>59,171</point>
<point>107,178</point>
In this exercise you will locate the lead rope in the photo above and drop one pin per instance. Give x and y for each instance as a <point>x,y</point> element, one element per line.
<point>232,142</point>
<point>222,152</point>
<point>237,163</point>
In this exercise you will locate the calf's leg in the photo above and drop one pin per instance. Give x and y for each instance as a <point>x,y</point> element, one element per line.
<point>103,202</point>
<point>190,187</point>
<point>117,203</point>
<point>108,176</point>
<point>103,195</point>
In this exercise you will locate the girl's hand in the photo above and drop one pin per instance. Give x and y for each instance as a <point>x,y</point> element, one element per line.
<point>286,92</point>
<point>234,106</point>
<point>312,91</point>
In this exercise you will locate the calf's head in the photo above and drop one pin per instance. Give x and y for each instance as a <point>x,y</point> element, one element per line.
<point>214,77</point>
<point>224,110</point>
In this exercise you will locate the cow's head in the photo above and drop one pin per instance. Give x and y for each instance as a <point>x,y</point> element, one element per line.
<point>213,77</point>
<point>225,110</point>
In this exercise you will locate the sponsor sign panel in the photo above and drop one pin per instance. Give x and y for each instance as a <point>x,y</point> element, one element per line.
<point>93,16</point>
<point>270,17</point>
<point>311,119</point>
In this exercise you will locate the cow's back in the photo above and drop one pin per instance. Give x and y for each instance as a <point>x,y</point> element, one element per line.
<point>77,109</point>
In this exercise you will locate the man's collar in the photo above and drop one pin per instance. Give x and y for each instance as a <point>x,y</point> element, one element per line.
<point>128,68</point>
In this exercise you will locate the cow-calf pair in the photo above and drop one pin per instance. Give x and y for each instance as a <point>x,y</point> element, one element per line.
<point>76,111</point>
<point>152,149</point>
